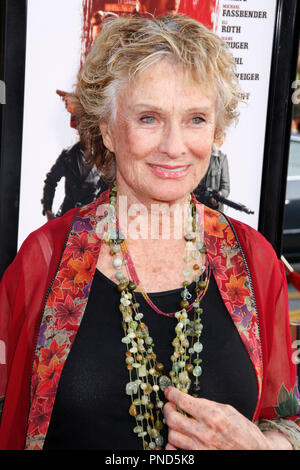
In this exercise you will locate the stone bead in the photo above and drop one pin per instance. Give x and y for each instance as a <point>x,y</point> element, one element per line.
<point>152,445</point>
<point>195,390</point>
<point>129,360</point>
<point>159,441</point>
<point>202,284</point>
<point>133,411</point>
<point>164,382</point>
<point>198,327</point>
<point>148,340</point>
<point>133,325</point>
<point>187,272</point>
<point>122,286</point>
<point>191,236</point>
<point>158,425</point>
<point>159,404</point>
<point>131,388</point>
<point>131,285</point>
<point>198,347</point>
<point>159,367</point>
<point>189,368</point>
<point>145,399</point>
<point>148,389</point>
<point>136,365</point>
<point>125,302</point>
<point>197,361</point>
<point>119,276</point>
<point>139,316</point>
<point>125,340</point>
<point>117,263</point>
<point>142,371</point>
<point>137,429</point>
<point>183,377</point>
<point>155,388</point>
<point>197,371</point>
<point>153,356</point>
<point>184,304</point>
<point>153,433</point>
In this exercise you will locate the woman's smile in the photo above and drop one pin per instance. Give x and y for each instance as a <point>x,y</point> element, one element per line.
<point>166,171</point>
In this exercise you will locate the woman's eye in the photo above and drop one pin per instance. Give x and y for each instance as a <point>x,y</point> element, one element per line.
<point>148,119</point>
<point>197,120</point>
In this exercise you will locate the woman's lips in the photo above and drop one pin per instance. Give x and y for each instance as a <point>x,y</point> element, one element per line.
<point>169,172</point>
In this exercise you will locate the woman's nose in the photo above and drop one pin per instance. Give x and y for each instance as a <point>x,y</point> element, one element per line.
<point>172,141</point>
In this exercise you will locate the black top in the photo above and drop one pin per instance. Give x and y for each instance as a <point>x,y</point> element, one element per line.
<point>91,406</point>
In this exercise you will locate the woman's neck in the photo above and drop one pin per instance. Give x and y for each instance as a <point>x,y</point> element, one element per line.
<point>149,219</point>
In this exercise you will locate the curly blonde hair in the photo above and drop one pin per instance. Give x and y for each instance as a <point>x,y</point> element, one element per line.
<point>127,46</point>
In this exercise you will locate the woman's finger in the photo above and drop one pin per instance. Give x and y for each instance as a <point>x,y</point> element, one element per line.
<point>182,441</point>
<point>170,447</point>
<point>179,422</point>
<point>195,407</point>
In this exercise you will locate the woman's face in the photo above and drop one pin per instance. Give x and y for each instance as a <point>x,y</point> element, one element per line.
<point>163,134</point>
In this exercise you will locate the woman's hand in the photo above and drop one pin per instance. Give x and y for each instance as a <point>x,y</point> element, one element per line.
<point>210,425</point>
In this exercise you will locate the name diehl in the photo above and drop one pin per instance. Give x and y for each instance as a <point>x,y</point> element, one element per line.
<point>245,13</point>
<point>239,60</point>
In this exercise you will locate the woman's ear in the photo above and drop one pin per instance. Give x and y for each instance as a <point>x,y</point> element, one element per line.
<point>106,134</point>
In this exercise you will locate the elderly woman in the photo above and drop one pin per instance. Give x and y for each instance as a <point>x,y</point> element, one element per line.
<point>146,320</point>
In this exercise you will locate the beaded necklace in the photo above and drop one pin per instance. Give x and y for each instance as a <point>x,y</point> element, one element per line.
<point>146,374</point>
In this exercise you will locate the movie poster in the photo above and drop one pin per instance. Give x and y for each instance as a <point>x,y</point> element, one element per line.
<point>60,35</point>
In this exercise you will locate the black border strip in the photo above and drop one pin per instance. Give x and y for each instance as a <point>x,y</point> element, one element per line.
<point>278,129</point>
<point>13,52</point>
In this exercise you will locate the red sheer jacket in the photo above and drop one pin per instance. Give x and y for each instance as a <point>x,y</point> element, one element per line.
<point>44,293</point>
